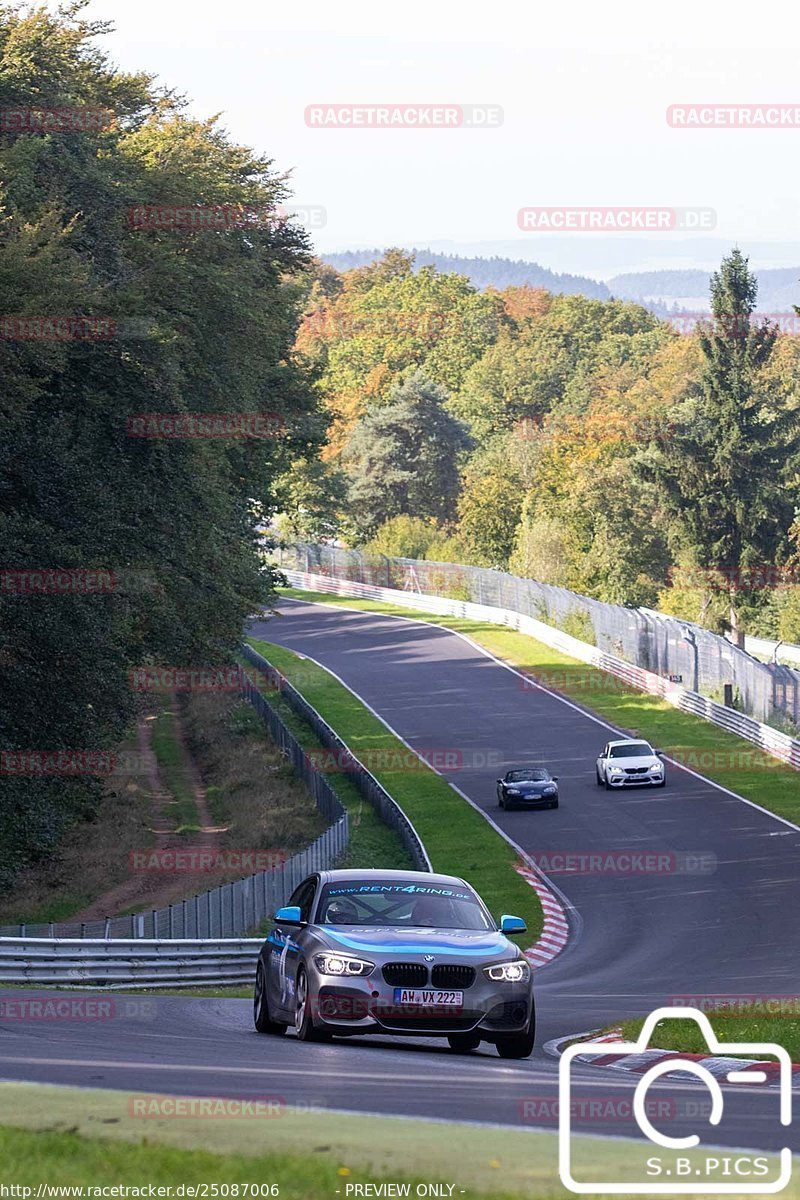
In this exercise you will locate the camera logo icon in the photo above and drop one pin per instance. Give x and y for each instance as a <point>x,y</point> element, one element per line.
<point>673,1165</point>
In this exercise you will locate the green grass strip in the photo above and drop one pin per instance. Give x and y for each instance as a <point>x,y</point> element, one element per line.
<point>78,1137</point>
<point>728,760</point>
<point>457,838</point>
<point>745,1025</point>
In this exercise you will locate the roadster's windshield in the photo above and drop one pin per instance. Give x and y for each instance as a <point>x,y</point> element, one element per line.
<point>398,903</point>
<point>528,775</point>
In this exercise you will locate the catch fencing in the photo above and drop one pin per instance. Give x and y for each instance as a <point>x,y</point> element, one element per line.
<point>234,909</point>
<point>677,650</point>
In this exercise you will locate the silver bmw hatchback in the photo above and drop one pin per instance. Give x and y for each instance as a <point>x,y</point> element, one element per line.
<point>400,952</point>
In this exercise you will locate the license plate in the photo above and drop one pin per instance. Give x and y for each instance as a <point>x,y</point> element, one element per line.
<point>428,998</point>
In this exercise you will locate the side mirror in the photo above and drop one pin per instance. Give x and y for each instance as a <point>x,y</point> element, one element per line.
<point>659,753</point>
<point>499,781</point>
<point>289,915</point>
<point>512,924</point>
<point>555,779</point>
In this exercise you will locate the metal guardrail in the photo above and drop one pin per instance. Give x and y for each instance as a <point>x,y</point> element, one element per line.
<point>118,964</point>
<point>776,743</point>
<point>647,638</point>
<point>232,909</point>
<point>385,805</point>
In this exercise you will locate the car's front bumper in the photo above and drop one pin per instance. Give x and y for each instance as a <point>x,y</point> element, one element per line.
<point>488,1009</point>
<point>536,801</point>
<point>648,779</point>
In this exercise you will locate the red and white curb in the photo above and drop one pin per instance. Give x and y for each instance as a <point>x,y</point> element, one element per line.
<point>555,934</point>
<point>637,1064</point>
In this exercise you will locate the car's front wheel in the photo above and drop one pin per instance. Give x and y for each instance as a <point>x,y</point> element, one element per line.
<point>598,777</point>
<point>662,783</point>
<point>261,1018</point>
<point>463,1043</point>
<point>517,1045</point>
<point>304,1025</point>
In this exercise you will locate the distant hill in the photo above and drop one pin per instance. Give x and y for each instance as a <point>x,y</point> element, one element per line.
<point>778,288</point>
<point>483,272</point>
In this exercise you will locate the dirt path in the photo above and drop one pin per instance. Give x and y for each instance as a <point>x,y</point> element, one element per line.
<point>157,888</point>
<point>209,834</point>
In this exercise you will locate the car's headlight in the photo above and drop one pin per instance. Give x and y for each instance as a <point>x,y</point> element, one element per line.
<point>516,971</point>
<point>338,964</point>
<point>656,766</point>
<point>617,771</point>
<point>548,791</point>
<point>512,791</point>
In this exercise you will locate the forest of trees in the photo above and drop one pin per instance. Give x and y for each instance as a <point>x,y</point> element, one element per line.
<point>197,321</point>
<point>596,448</point>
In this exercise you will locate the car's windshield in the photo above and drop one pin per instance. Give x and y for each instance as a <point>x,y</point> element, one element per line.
<point>397,903</point>
<point>630,750</point>
<point>530,774</point>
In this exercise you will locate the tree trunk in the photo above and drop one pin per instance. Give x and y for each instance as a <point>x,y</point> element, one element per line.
<point>736,630</point>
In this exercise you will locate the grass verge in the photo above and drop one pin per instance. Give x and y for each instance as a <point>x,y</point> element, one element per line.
<point>372,843</point>
<point>753,1025</point>
<point>252,792</point>
<point>723,757</point>
<point>458,840</point>
<point>67,1136</point>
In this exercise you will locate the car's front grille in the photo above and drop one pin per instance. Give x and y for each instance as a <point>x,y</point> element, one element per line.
<point>452,976</point>
<point>400,974</point>
<point>636,770</point>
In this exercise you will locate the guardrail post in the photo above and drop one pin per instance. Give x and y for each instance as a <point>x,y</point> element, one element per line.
<point>22,929</point>
<point>107,929</point>
<point>133,925</point>
<point>83,929</point>
<point>51,930</point>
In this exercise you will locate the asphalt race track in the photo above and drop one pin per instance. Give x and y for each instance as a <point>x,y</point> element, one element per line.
<point>721,918</point>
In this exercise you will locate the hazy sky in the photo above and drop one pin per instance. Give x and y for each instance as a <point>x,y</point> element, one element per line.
<point>584,89</point>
